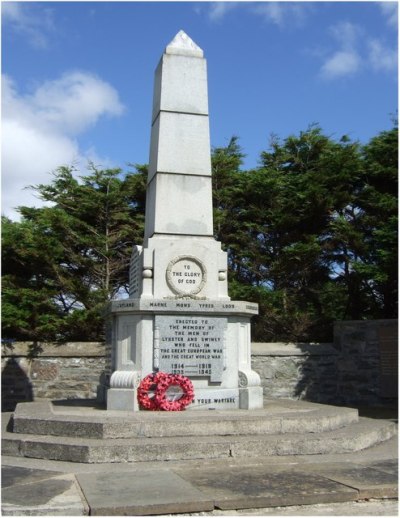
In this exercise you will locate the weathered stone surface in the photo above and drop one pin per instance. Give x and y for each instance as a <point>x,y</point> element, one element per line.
<point>210,307</point>
<point>226,438</point>
<point>153,492</point>
<point>369,350</point>
<point>51,376</point>
<point>11,475</point>
<point>388,466</point>
<point>369,482</point>
<point>40,493</point>
<point>305,371</point>
<point>281,417</point>
<point>260,487</point>
<point>44,370</point>
<point>193,157</point>
<point>50,350</point>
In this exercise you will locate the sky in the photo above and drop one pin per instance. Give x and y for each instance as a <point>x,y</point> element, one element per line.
<point>77,78</point>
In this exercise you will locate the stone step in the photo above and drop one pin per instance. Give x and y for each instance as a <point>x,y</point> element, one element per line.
<point>353,437</point>
<point>44,419</point>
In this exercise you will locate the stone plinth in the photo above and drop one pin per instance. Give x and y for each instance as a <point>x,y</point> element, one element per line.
<point>205,340</point>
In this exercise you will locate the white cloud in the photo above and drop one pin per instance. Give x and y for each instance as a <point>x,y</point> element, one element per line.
<point>340,64</point>
<point>346,60</point>
<point>346,34</point>
<point>281,13</point>
<point>74,102</point>
<point>381,57</point>
<point>40,131</point>
<point>219,9</point>
<point>355,52</point>
<point>27,20</point>
<point>389,11</point>
<point>274,12</point>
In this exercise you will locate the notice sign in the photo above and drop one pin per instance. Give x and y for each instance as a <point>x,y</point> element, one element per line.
<point>193,346</point>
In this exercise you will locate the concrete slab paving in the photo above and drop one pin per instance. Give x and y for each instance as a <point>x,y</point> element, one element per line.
<point>14,475</point>
<point>141,493</point>
<point>389,466</point>
<point>337,469</point>
<point>369,482</point>
<point>360,508</point>
<point>241,488</point>
<point>33,494</point>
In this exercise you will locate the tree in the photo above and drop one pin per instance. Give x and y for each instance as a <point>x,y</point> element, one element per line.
<point>311,236</point>
<point>74,255</point>
<point>378,205</point>
<point>283,213</point>
<point>296,231</point>
<point>29,307</point>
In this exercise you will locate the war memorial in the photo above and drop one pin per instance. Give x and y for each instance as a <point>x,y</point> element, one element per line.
<point>228,448</point>
<point>179,318</point>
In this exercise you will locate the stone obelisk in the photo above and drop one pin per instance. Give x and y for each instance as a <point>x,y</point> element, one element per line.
<point>179,318</point>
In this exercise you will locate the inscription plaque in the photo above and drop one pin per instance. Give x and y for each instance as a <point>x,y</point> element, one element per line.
<point>389,357</point>
<point>186,275</point>
<point>134,272</point>
<point>193,346</point>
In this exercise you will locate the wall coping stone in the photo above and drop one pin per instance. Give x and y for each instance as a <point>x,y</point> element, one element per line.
<point>379,321</point>
<point>293,349</point>
<point>52,350</point>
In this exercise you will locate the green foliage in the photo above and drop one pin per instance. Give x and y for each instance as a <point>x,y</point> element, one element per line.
<point>311,236</point>
<point>61,264</point>
<point>311,232</point>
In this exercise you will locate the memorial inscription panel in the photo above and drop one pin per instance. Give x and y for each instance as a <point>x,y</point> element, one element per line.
<point>389,358</point>
<point>134,273</point>
<point>190,345</point>
<point>186,275</point>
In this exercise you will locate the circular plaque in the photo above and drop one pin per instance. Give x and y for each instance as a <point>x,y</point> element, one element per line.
<point>186,275</point>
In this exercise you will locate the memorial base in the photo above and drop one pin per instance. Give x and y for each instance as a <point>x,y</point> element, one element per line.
<point>122,399</point>
<point>251,398</point>
<point>215,399</point>
<point>206,341</point>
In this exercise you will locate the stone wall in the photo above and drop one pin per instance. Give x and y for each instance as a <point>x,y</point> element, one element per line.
<point>297,371</point>
<point>359,368</point>
<point>66,371</point>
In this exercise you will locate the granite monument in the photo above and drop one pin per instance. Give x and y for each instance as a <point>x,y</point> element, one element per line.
<point>179,318</point>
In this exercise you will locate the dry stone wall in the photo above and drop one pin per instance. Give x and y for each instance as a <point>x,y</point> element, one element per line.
<point>297,371</point>
<point>66,371</point>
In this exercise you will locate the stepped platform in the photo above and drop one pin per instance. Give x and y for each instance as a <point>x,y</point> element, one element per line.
<point>80,432</point>
<point>71,458</point>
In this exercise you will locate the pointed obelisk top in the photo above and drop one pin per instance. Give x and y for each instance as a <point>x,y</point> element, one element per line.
<point>184,46</point>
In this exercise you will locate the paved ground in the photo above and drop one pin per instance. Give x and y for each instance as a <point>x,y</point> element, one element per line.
<point>368,508</point>
<point>353,484</point>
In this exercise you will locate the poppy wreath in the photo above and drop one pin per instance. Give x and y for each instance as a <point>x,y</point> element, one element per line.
<point>160,383</point>
<point>177,380</point>
<point>148,383</point>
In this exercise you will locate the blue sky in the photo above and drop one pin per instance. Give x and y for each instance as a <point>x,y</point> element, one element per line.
<point>77,77</point>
